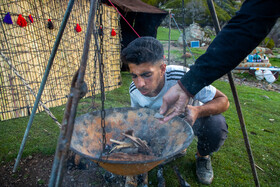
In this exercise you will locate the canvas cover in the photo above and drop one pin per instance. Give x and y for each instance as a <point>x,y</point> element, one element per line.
<point>135,6</point>
<point>144,18</point>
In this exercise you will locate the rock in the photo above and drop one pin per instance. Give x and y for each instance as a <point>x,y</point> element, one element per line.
<point>271,56</point>
<point>269,87</point>
<point>278,56</point>
<point>265,96</point>
<point>194,33</point>
<point>186,55</point>
<point>268,51</point>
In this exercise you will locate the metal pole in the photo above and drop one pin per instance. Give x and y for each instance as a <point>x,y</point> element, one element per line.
<point>184,39</point>
<point>65,136</point>
<point>184,33</point>
<point>236,101</point>
<point>44,80</point>
<point>169,36</point>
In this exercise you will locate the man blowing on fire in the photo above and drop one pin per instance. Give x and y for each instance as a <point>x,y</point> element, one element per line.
<point>152,78</point>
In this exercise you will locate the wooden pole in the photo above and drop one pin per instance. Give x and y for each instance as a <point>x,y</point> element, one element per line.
<point>236,100</point>
<point>184,34</point>
<point>169,36</point>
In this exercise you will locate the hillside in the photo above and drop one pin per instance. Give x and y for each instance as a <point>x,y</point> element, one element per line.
<point>197,10</point>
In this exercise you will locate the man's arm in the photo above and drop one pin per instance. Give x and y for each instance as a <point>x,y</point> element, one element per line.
<point>243,33</point>
<point>235,41</point>
<point>218,105</point>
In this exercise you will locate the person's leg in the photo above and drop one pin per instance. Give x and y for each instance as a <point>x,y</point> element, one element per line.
<point>212,133</point>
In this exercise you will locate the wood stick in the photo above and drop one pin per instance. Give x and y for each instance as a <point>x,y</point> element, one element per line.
<point>181,180</point>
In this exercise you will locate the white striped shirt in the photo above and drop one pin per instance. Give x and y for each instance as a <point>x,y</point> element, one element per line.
<point>172,75</point>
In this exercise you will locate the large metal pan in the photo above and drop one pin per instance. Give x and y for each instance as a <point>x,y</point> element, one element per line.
<point>166,139</point>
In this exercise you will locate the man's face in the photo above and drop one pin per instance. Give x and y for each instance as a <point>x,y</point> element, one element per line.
<point>148,78</point>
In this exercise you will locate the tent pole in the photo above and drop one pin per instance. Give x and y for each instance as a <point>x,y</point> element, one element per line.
<point>44,80</point>
<point>65,136</point>
<point>236,100</point>
<point>184,32</point>
<point>169,36</point>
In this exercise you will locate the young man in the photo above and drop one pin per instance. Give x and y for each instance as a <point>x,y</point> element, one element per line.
<point>152,79</point>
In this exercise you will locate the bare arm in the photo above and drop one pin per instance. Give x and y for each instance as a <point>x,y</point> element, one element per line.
<point>218,105</point>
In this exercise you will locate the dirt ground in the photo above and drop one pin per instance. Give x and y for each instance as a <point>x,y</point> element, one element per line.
<point>35,170</point>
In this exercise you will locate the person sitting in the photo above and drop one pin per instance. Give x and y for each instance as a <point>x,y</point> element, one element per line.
<point>152,78</point>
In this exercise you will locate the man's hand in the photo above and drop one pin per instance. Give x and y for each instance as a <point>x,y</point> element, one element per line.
<point>191,114</point>
<point>173,103</point>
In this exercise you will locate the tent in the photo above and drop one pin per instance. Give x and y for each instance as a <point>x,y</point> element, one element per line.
<point>145,19</point>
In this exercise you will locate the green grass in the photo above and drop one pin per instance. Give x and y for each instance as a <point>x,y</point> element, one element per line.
<point>275,62</point>
<point>44,132</point>
<point>163,34</point>
<point>231,164</point>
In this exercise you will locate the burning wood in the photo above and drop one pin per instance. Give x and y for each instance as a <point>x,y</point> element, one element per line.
<point>131,144</point>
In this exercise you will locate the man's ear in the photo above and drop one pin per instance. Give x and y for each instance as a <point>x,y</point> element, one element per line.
<point>163,68</point>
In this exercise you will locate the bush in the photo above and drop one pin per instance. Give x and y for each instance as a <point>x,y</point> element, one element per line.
<point>269,43</point>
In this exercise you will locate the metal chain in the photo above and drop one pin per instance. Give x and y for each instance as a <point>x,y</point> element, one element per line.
<point>93,106</point>
<point>101,76</point>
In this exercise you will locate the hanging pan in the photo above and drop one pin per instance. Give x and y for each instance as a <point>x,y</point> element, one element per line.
<point>164,140</point>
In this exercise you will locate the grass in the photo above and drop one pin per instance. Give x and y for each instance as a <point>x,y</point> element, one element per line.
<point>231,165</point>
<point>44,132</point>
<point>163,34</point>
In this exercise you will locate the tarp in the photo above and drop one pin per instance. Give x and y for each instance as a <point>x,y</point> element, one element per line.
<point>135,6</point>
<point>144,18</point>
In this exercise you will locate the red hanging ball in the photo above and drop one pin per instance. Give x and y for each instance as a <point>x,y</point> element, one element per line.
<point>21,21</point>
<point>78,28</point>
<point>113,32</point>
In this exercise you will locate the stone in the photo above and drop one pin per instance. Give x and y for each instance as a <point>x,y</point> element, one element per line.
<point>194,33</point>
<point>186,55</point>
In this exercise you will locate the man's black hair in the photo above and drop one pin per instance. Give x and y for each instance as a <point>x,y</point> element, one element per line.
<point>141,50</point>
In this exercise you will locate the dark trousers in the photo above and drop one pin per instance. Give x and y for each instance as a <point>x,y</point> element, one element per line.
<point>211,132</point>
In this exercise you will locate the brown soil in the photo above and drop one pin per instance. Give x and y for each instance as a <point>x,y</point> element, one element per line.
<point>35,171</point>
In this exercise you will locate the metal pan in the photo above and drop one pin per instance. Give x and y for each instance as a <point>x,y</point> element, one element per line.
<point>165,140</point>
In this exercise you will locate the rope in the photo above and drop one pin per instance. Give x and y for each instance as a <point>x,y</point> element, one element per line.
<point>30,89</point>
<point>124,19</point>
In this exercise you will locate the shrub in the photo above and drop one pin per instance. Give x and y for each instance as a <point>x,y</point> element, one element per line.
<point>269,43</point>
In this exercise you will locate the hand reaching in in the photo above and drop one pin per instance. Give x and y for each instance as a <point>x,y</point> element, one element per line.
<point>174,103</point>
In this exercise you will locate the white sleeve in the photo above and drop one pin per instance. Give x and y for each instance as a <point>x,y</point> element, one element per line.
<point>134,101</point>
<point>206,94</point>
